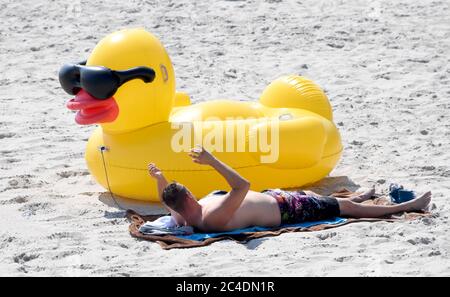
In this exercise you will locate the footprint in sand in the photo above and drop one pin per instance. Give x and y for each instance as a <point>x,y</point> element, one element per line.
<point>34,208</point>
<point>421,240</point>
<point>15,200</point>
<point>343,259</point>
<point>23,258</point>
<point>6,152</point>
<point>21,182</point>
<point>434,254</point>
<point>12,160</point>
<point>71,236</point>
<point>7,135</point>
<point>65,254</point>
<point>328,235</point>
<point>418,60</point>
<point>6,240</point>
<point>67,174</point>
<point>385,75</point>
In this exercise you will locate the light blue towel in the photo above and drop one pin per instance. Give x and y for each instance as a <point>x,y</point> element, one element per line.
<point>165,225</point>
<point>203,236</point>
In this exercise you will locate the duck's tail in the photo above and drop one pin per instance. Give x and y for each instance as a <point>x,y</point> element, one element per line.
<point>294,91</point>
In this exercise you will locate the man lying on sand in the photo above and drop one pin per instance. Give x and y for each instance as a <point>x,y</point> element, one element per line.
<point>242,208</point>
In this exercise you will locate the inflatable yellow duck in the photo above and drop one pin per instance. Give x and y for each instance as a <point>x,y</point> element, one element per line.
<point>127,86</point>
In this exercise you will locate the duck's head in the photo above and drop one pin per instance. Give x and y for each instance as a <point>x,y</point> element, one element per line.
<point>127,83</point>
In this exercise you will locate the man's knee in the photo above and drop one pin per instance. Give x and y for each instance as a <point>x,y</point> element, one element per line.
<point>346,206</point>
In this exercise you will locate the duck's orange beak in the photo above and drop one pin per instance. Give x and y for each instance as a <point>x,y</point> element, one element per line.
<point>92,110</point>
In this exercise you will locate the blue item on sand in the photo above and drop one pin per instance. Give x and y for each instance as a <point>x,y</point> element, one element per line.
<point>405,195</point>
<point>399,195</point>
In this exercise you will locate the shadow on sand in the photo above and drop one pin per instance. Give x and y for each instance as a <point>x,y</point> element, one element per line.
<point>332,184</point>
<point>122,204</point>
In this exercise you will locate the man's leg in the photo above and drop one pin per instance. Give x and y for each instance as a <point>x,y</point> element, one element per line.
<point>349,208</point>
<point>358,199</point>
<point>364,196</point>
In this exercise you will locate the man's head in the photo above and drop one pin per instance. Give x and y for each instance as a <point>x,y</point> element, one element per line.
<point>176,196</point>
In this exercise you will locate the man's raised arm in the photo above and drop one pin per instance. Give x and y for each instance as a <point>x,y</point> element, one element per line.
<point>162,183</point>
<point>239,185</point>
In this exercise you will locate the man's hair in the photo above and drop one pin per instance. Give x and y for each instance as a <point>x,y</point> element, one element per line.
<point>174,196</point>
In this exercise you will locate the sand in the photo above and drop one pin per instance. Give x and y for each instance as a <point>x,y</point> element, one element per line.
<point>383,64</point>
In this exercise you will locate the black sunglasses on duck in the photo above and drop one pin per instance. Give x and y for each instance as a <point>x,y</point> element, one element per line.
<point>99,81</point>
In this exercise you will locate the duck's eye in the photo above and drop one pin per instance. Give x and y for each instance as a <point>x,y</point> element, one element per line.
<point>100,82</point>
<point>69,78</point>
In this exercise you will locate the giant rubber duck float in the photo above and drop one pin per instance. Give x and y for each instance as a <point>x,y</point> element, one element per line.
<point>127,87</point>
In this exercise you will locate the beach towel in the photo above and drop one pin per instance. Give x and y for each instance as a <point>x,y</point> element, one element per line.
<point>244,235</point>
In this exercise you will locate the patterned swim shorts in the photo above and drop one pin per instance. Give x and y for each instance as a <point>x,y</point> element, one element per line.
<point>296,206</point>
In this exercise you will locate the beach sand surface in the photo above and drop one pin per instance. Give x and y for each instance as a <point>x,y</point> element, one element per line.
<point>383,64</point>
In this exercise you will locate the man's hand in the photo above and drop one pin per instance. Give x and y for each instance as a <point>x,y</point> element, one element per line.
<point>154,171</point>
<point>161,181</point>
<point>201,156</point>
